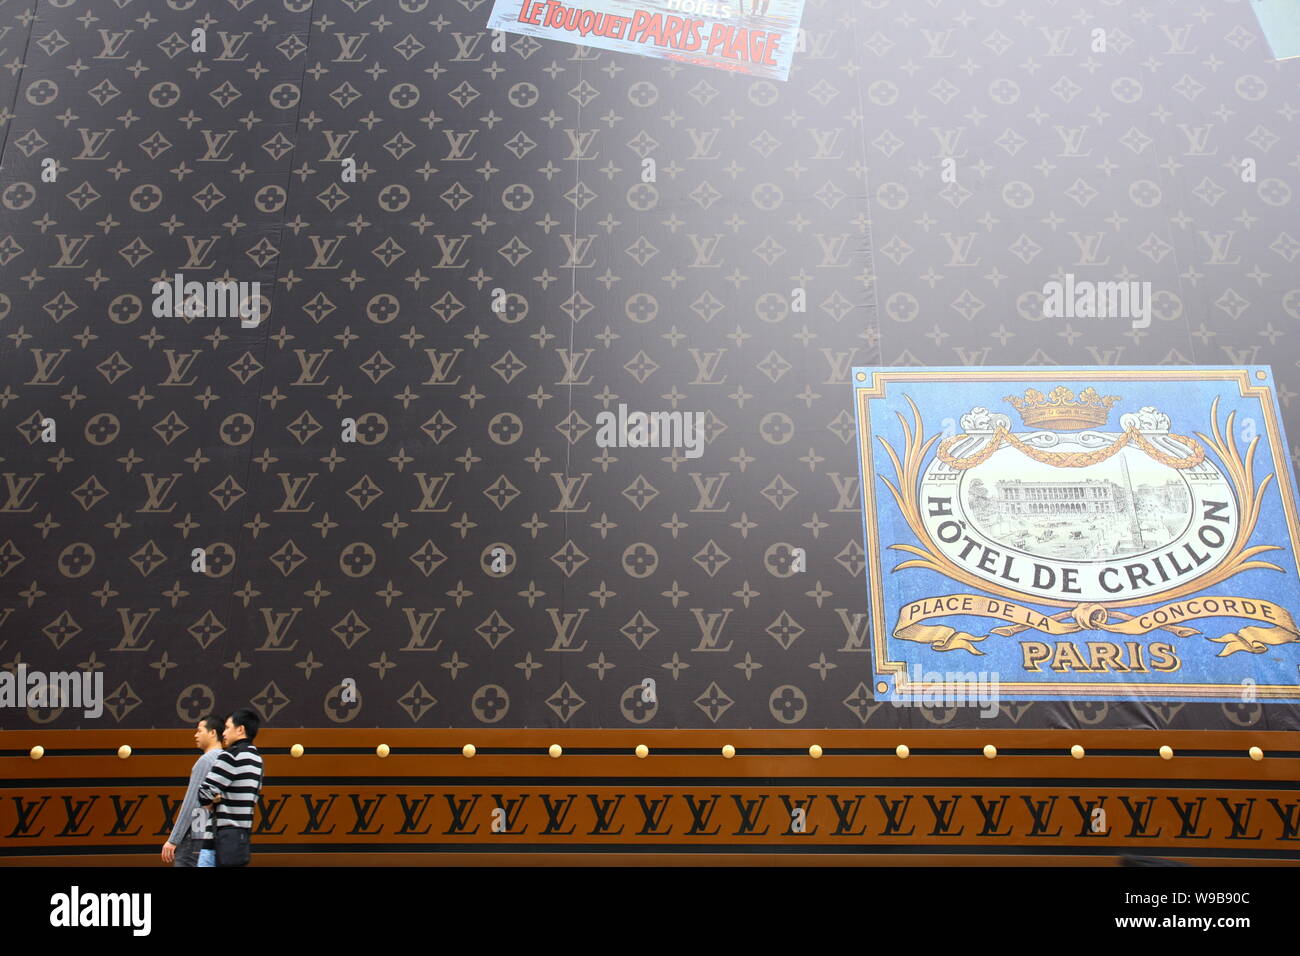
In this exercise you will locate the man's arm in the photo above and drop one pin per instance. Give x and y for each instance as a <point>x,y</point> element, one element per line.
<point>218,780</point>
<point>184,817</point>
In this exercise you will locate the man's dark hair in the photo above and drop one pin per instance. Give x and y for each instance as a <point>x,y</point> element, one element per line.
<point>213,722</point>
<point>247,718</point>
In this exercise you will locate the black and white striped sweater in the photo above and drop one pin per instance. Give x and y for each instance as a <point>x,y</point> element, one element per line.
<point>237,775</point>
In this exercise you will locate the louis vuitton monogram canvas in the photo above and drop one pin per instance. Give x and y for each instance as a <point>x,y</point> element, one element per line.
<point>464,247</point>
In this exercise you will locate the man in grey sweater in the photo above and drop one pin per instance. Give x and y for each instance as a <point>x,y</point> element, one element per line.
<point>182,847</point>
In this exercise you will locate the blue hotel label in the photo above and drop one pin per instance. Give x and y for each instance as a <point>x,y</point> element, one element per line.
<point>1104,533</point>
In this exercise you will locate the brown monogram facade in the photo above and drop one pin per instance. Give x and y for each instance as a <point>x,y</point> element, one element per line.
<point>426,802</point>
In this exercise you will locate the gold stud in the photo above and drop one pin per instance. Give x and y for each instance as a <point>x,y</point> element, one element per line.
<point>902,751</point>
<point>1166,752</point>
<point>990,751</point>
<point>642,751</point>
<point>555,750</point>
<point>814,751</point>
<point>862,376</point>
<point>882,687</point>
<point>296,750</point>
<point>1261,376</point>
<point>468,750</point>
<point>1076,752</point>
<point>38,752</point>
<point>124,751</point>
<point>728,751</point>
<point>382,750</point>
<point>1256,753</point>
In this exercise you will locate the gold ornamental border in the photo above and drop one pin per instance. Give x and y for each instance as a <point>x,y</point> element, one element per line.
<point>1239,471</point>
<point>1004,436</point>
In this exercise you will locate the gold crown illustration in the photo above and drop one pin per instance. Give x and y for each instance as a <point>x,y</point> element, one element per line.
<point>1060,411</point>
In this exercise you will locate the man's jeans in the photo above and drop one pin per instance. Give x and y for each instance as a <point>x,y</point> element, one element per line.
<point>208,858</point>
<point>187,854</point>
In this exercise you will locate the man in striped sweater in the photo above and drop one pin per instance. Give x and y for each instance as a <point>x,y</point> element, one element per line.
<point>232,785</point>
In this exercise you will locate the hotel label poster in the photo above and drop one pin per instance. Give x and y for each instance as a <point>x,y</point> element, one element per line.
<point>754,37</point>
<point>1104,533</point>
